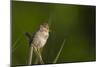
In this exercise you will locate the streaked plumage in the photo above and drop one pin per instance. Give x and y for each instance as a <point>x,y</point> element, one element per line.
<point>41,36</point>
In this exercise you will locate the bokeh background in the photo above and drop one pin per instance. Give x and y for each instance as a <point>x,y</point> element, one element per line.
<point>74,23</point>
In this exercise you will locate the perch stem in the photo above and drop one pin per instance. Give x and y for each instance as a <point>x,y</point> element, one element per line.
<point>37,51</point>
<point>30,56</point>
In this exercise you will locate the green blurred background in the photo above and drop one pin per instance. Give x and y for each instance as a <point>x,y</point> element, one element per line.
<point>75,23</point>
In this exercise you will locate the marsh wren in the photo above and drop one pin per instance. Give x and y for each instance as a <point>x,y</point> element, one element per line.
<point>41,36</point>
<point>37,41</point>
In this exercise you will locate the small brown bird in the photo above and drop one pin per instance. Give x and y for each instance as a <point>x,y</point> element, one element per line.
<point>38,41</point>
<point>41,36</point>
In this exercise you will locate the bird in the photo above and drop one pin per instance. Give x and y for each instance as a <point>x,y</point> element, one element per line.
<point>41,36</point>
<point>37,41</point>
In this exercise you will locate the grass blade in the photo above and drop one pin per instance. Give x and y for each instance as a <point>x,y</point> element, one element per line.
<point>14,46</point>
<point>55,60</point>
<point>15,43</point>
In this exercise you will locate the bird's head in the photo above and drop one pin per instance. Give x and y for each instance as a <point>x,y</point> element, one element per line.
<point>44,27</point>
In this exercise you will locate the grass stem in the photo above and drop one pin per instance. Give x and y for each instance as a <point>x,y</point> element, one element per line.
<point>30,55</point>
<point>55,60</point>
<point>38,54</point>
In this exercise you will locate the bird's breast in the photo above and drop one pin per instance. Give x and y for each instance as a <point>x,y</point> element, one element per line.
<point>41,38</point>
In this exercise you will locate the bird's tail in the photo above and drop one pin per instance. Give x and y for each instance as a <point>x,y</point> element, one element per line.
<point>29,37</point>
